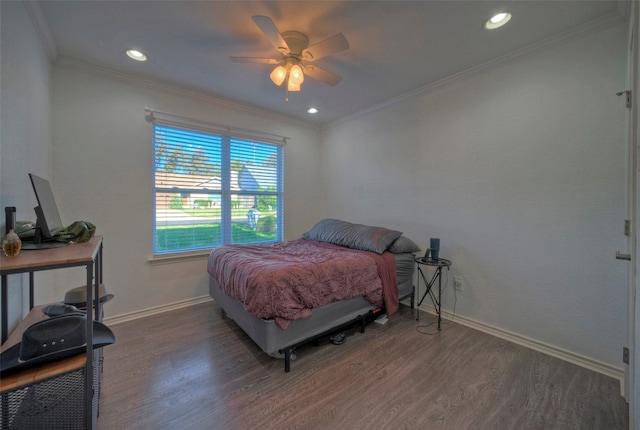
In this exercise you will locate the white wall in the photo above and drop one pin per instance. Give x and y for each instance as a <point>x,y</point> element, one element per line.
<point>520,171</point>
<point>25,118</point>
<point>102,156</point>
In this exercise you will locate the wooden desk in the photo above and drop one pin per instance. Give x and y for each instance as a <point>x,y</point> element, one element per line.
<point>30,261</point>
<point>87,254</point>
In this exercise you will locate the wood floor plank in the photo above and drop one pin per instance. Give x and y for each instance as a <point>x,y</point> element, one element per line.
<point>193,369</point>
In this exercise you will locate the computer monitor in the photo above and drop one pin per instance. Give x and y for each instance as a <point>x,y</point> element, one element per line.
<point>48,222</point>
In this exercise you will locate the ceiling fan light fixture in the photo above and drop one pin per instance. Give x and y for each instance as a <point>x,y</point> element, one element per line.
<point>497,21</point>
<point>294,48</point>
<point>296,76</point>
<point>278,75</point>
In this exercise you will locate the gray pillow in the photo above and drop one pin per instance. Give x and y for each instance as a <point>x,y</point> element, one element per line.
<point>355,236</point>
<point>402,245</point>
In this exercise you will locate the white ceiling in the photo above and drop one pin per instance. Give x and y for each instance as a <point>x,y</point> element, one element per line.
<point>396,47</point>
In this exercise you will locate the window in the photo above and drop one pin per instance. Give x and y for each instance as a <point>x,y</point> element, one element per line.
<point>213,189</point>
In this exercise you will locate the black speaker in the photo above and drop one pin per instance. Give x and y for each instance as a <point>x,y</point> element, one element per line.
<point>435,248</point>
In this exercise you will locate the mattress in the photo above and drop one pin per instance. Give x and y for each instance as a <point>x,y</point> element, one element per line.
<point>274,341</point>
<point>405,266</point>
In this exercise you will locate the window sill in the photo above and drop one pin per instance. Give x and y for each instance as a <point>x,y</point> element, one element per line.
<point>178,257</point>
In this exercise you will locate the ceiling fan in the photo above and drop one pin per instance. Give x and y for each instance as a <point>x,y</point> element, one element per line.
<point>295,55</point>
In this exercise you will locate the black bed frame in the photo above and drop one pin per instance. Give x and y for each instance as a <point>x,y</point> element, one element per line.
<point>361,320</point>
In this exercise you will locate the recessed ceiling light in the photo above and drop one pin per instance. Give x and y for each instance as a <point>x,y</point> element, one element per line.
<point>497,20</point>
<point>136,55</point>
<point>312,110</point>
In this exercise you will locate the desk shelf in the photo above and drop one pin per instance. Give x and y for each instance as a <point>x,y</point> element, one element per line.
<point>34,374</point>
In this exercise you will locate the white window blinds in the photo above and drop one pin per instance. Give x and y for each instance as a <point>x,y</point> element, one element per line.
<point>213,188</point>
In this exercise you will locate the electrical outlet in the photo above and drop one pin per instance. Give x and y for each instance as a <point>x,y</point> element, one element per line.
<point>458,283</point>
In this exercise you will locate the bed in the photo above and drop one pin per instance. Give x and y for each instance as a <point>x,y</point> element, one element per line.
<point>335,276</point>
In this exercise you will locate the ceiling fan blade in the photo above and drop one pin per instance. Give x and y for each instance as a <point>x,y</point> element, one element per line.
<point>271,31</point>
<point>254,60</point>
<point>322,75</point>
<point>331,45</point>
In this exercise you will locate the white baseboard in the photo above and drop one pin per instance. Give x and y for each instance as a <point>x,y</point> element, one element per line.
<point>157,310</point>
<point>554,351</point>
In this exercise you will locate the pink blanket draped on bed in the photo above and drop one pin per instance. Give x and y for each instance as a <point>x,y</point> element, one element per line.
<point>286,280</point>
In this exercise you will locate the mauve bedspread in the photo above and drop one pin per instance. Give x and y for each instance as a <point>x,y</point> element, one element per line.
<point>286,280</point>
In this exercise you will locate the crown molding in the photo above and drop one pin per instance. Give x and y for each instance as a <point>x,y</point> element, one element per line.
<point>606,22</point>
<point>73,64</point>
<point>42,28</point>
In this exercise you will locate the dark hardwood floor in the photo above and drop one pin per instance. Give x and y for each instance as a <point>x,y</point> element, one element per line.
<point>193,369</point>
